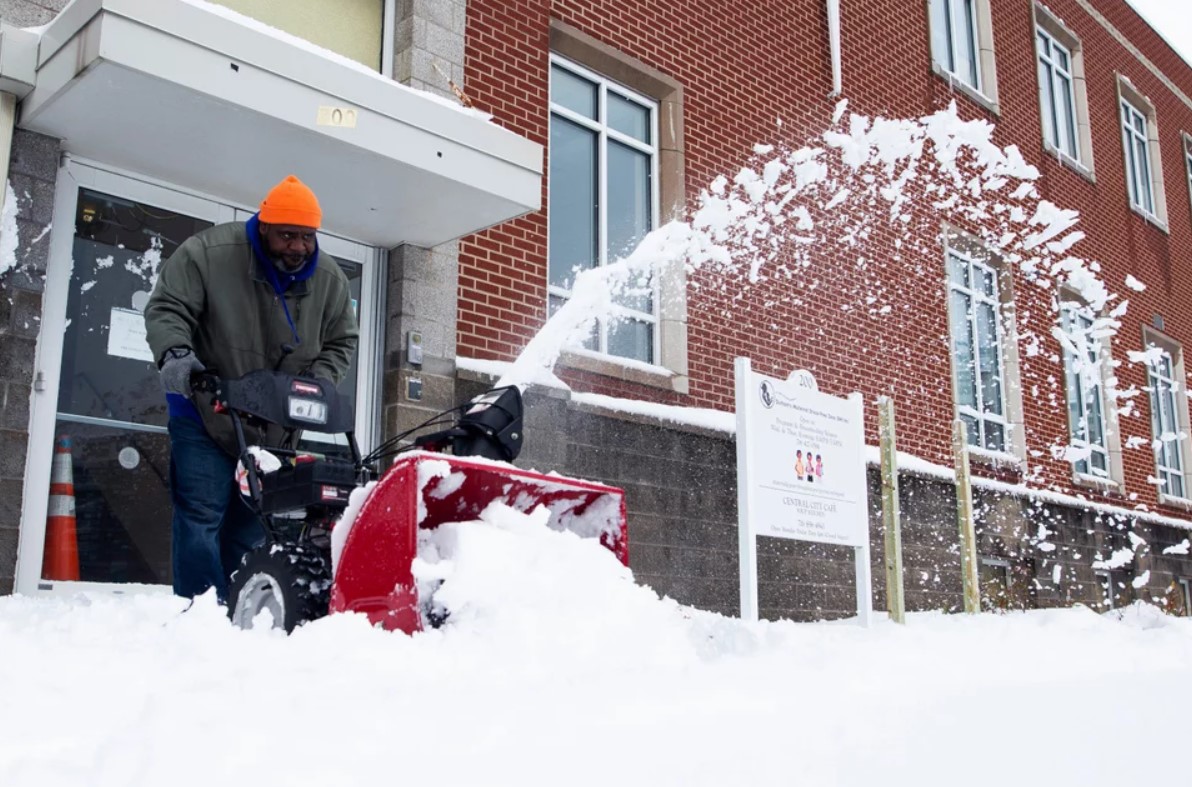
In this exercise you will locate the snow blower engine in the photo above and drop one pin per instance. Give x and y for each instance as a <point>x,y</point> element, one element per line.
<point>340,536</point>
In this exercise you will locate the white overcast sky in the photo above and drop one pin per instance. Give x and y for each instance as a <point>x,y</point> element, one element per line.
<point>1173,21</point>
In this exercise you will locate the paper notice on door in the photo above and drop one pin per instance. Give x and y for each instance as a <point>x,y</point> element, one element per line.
<point>126,336</point>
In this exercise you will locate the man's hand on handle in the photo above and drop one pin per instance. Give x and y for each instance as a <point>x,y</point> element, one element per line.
<point>177,365</point>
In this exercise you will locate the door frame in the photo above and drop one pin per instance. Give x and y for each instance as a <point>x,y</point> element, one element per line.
<point>73,174</point>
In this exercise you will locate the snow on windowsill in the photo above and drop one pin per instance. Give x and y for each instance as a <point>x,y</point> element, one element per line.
<point>1150,218</point>
<point>1073,164</point>
<point>315,49</point>
<point>1175,502</point>
<point>1096,482</point>
<point>956,83</point>
<point>996,459</point>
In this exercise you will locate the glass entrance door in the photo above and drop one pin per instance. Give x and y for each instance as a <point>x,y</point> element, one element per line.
<point>98,420</point>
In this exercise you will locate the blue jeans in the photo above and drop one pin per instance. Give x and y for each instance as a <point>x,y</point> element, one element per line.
<point>213,527</point>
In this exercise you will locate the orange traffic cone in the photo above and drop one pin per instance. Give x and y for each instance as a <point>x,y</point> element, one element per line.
<point>61,560</point>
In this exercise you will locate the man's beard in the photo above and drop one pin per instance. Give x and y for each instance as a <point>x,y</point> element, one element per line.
<point>290,263</point>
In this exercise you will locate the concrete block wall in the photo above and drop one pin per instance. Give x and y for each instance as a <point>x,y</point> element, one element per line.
<point>32,173</point>
<point>30,13</point>
<point>680,491</point>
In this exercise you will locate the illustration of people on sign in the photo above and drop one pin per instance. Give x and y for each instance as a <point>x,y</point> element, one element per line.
<point>810,467</point>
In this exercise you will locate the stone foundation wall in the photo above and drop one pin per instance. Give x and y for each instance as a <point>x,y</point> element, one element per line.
<point>680,489</point>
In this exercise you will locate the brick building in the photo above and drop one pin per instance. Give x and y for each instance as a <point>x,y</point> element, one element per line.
<point>608,119</point>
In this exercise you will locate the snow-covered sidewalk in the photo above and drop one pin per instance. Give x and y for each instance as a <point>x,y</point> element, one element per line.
<point>556,669</point>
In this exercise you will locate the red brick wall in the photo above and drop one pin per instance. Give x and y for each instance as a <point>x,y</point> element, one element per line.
<point>759,72</point>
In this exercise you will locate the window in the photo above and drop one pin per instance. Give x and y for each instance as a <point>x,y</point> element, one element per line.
<point>962,46</point>
<point>1188,162</point>
<point>1063,103</point>
<point>1140,146</point>
<point>1138,159</point>
<point>1168,419</point>
<point>602,196</point>
<point>954,39</point>
<point>1186,596</point>
<point>1086,401</point>
<point>974,300</point>
<point>1057,96</point>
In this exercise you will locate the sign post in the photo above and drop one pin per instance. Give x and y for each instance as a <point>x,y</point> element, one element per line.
<point>800,474</point>
<point>895,599</point>
<point>964,517</point>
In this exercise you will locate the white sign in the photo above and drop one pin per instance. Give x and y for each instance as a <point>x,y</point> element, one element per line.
<point>800,473</point>
<point>803,379</point>
<point>806,464</point>
<point>126,335</point>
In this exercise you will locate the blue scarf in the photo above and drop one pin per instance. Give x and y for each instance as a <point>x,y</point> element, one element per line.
<point>279,280</point>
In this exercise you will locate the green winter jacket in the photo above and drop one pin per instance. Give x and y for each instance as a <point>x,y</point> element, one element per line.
<point>212,295</point>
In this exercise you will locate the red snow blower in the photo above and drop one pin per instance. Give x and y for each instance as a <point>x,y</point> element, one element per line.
<point>302,502</point>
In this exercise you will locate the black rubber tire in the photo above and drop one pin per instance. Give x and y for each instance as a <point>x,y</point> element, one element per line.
<point>293,581</point>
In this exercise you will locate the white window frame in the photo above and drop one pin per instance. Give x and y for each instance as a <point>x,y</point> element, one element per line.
<point>955,17</point>
<point>1146,195</point>
<point>1187,139</point>
<point>1054,76</point>
<point>1179,426</point>
<point>1186,591</point>
<point>1140,181</point>
<point>1083,382</point>
<point>605,133</point>
<point>1005,420</point>
<point>1048,26</point>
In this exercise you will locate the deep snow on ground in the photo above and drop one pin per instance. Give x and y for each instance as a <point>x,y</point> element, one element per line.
<point>556,668</point>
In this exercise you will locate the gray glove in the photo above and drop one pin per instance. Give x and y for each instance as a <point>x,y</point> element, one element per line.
<point>177,365</point>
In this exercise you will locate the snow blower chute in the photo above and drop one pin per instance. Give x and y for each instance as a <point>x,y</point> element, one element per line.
<point>301,497</point>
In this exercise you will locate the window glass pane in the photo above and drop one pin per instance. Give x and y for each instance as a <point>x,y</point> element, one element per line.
<point>1175,486</point>
<point>573,91</point>
<point>988,282</point>
<point>1100,465</point>
<point>962,350</point>
<point>1061,59</point>
<point>991,377</point>
<point>958,271</point>
<point>1047,103</point>
<point>1065,110</point>
<point>995,436</point>
<point>1144,175</point>
<point>573,202</point>
<point>638,295</point>
<point>965,43</point>
<point>628,199</point>
<point>628,117</point>
<point>940,33</point>
<point>1095,428</point>
<point>970,429</point>
<point>631,339</point>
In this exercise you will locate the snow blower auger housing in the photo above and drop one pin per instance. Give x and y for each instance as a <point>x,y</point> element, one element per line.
<point>301,498</point>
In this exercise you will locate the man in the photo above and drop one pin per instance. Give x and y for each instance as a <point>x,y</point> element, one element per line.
<point>233,299</point>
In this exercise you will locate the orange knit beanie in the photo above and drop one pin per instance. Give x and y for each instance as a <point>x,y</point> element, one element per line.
<point>291,202</point>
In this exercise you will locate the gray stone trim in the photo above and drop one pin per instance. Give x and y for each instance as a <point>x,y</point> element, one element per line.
<point>32,173</point>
